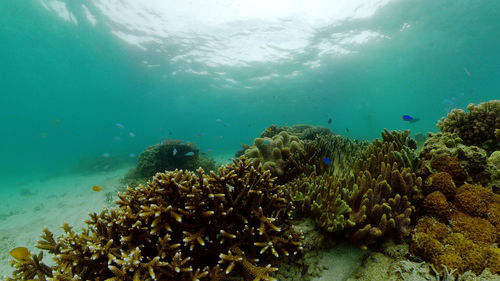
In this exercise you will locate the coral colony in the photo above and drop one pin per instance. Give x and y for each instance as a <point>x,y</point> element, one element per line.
<point>237,223</point>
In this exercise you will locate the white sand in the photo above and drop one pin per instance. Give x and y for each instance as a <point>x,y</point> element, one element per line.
<point>49,203</point>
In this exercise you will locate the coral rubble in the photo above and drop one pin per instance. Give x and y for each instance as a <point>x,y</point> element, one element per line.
<point>180,226</point>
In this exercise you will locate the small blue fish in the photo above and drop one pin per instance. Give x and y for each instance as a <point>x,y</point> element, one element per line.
<point>174,151</point>
<point>327,161</point>
<point>120,125</point>
<point>190,153</point>
<point>132,135</point>
<point>117,138</point>
<point>106,155</point>
<point>265,141</point>
<point>132,155</point>
<point>409,119</point>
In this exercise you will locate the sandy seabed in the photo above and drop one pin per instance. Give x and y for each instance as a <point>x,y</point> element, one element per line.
<point>29,207</point>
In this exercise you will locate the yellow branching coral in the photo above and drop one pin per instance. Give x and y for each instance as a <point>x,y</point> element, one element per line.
<point>181,226</point>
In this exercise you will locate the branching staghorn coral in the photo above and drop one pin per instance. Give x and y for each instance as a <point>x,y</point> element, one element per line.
<point>181,226</point>
<point>480,126</point>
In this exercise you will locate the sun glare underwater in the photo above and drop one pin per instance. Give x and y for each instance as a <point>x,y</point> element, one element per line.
<point>90,87</point>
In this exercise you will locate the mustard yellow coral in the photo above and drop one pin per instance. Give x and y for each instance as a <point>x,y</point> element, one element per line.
<point>477,229</point>
<point>424,245</point>
<point>435,205</point>
<point>441,181</point>
<point>473,200</point>
<point>431,226</point>
<point>450,260</point>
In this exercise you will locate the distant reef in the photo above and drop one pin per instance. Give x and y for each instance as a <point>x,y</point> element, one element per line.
<point>417,206</point>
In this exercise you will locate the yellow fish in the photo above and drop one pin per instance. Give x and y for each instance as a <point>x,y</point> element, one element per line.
<point>20,253</point>
<point>96,188</point>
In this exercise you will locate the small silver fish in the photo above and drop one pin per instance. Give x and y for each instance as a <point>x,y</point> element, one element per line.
<point>190,153</point>
<point>174,151</point>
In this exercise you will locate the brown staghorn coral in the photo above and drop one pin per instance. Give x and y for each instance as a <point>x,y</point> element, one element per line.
<point>480,126</point>
<point>182,226</point>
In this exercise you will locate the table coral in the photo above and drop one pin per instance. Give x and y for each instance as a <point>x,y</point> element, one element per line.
<point>480,126</point>
<point>182,226</point>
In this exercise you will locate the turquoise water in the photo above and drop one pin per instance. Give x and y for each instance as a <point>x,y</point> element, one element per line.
<point>218,74</point>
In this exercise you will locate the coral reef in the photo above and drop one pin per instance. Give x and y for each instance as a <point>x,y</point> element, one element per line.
<point>442,151</point>
<point>324,198</point>
<point>382,204</point>
<point>441,181</point>
<point>493,168</point>
<point>480,126</point>
<point>467,236</point>
<point>167,156</point>
<point>370,196</point>
<point>273,153</point>
<point>180,226</point>
<point>435,205</point>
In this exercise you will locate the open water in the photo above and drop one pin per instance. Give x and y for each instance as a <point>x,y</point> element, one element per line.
<point>85,86</point>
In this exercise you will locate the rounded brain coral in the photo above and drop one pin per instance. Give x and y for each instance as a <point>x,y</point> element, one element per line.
<point>450,260</point>
<point>477,229</point>
<point>451,165</point>
<point>431,226</point>
<point>494,260</point>
<point>425,246</point>
<point>435,204</point>
<point>473,200</point>
<point>440,181</point>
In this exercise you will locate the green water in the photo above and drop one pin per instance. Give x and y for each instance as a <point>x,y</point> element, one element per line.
<point>65,84</point>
